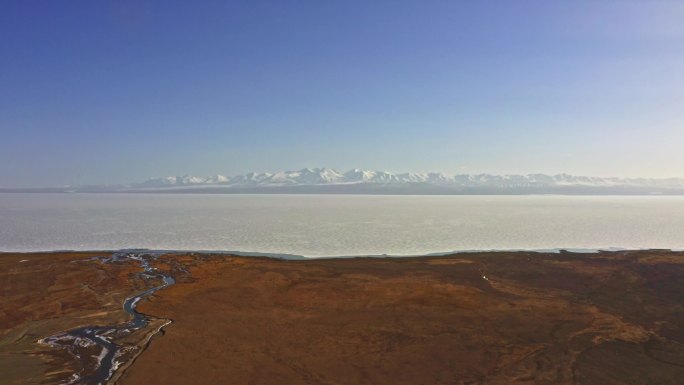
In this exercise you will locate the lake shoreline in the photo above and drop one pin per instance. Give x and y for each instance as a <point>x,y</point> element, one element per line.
<point>302,257</point>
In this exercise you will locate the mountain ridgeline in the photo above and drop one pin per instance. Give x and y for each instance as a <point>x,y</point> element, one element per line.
<point>356,181</point>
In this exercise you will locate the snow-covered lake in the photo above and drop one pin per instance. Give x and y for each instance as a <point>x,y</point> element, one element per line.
<point>336,225</point>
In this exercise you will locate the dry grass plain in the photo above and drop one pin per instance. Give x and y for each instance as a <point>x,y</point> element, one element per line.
<point>478,318</point>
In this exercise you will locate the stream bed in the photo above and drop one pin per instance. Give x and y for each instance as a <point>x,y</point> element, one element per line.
<point>92,346</point>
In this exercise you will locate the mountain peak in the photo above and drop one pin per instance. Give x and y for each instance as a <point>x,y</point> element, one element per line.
<point>538,183</point>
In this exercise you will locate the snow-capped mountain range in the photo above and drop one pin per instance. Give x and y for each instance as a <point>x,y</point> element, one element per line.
<point>332,181</point>
<point>303,177</point>
<point>357,181</point>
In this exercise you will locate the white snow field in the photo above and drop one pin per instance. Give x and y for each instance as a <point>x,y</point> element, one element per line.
<point>337,225</point>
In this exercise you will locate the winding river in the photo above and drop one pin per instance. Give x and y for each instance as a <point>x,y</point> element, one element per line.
<point>83,342</point>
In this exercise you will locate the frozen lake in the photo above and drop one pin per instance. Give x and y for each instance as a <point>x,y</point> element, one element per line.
<point>337,225</point>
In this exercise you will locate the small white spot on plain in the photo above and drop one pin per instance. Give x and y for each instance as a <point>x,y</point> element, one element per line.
<point>485,278</point>
<point>74,377</point>
<point>23,260</point>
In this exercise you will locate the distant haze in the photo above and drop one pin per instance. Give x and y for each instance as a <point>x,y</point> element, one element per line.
<point>116,92</point>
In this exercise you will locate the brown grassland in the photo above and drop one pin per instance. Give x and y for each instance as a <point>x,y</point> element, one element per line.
<point>471,318</point>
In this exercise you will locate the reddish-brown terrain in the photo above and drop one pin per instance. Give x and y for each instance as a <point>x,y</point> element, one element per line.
<point>478,318</point>
<point>44,293</point>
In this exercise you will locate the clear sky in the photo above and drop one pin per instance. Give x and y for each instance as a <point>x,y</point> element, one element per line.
<point>119,91</point>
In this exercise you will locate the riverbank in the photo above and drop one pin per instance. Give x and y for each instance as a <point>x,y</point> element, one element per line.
<point>71,318</point>
<point>482,318</point>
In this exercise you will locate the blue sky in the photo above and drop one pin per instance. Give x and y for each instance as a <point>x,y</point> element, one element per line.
<point>108,92</point>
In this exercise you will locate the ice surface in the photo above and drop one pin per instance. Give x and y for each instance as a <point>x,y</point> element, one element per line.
<point>337,225</point>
